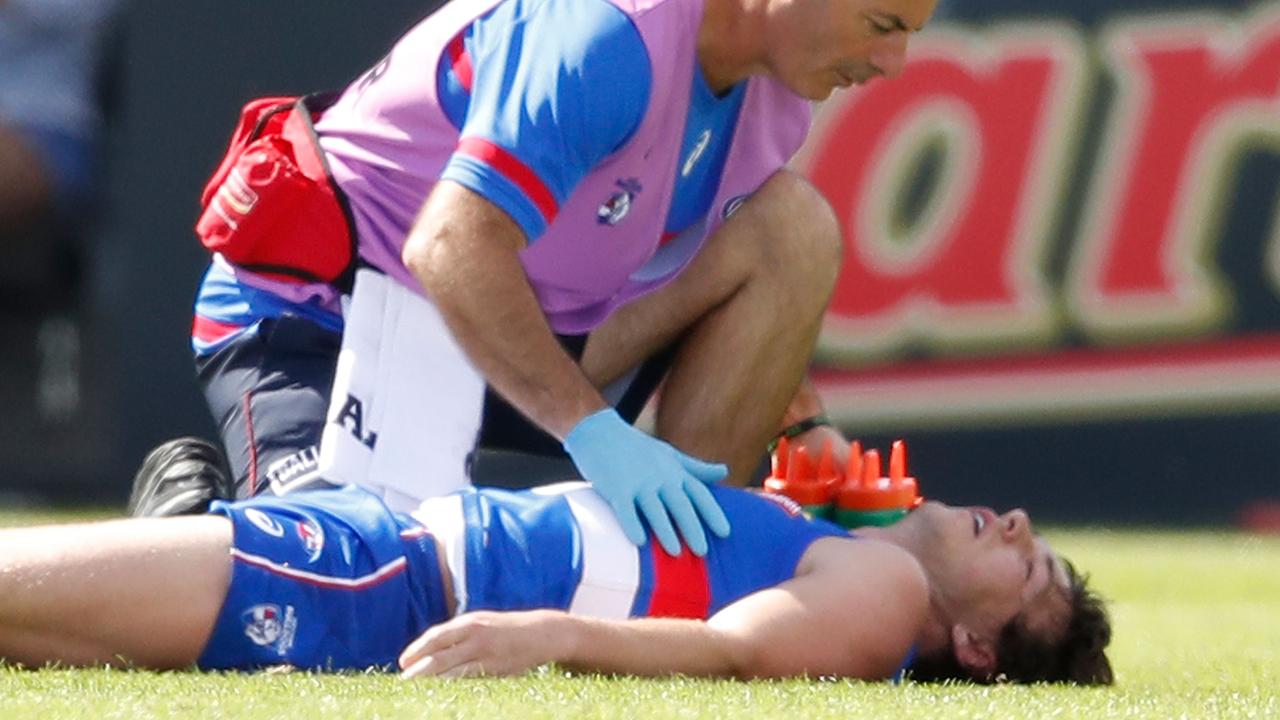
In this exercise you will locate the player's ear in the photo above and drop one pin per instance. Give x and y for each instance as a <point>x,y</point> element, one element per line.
<point>976,653</point>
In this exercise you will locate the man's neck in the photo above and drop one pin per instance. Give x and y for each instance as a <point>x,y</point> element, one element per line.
<point>728,39</point>
<point>934,635</point>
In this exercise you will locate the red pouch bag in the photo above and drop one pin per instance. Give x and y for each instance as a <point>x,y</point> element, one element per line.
<point>271,206</point>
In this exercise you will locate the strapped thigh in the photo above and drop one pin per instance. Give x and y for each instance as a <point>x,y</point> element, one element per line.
<point>406,403</point>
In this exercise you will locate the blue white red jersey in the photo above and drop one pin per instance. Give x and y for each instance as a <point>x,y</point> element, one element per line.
<point>333,580</point>
<point>561,547</point>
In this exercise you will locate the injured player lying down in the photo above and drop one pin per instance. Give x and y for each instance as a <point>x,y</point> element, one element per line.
<point>493,582</point>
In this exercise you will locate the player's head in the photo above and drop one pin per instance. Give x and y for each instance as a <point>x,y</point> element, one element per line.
<point>816,46</point>
<point>1011,609</point>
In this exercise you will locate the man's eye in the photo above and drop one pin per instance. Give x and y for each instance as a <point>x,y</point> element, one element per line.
<point>879,27</point>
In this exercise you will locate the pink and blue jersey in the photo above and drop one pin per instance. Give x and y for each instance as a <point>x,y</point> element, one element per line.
<point>539,108</point>
<point>536,109</point>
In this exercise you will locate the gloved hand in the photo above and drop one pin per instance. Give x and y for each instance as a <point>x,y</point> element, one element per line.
<point>629,467</point>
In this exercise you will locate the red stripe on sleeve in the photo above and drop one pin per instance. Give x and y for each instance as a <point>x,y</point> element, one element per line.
<point>515,171</point>
<point>681,587</point>
<point>460,61</point>
<point>207,330</point>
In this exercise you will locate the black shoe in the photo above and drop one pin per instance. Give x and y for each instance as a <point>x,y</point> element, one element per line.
<point>180,477</point>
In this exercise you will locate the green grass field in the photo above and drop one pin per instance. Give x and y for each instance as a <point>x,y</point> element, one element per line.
<point>1197,635</point>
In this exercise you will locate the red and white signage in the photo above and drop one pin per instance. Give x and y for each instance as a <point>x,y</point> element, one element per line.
<point>1003,297</point>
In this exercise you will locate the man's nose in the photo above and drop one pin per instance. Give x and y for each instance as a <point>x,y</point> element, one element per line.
<point>1015,526</point>
<point>889,58</point>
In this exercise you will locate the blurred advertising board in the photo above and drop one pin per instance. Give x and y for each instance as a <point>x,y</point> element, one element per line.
<point>1062,268</point>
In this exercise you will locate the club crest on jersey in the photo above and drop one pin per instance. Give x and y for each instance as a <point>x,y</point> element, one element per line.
<point>613,210</point>
<point>267,626</point>
<point>312,538</point>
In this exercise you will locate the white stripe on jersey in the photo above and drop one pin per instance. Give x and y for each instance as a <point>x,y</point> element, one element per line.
<point>442,516</point>
<point>610,563</point>
<point>328,581</point>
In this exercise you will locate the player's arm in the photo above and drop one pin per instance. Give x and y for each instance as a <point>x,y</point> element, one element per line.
<point>538,110</point>
<point>854,614</point>
<point>542,112</point>
<point>804,408</point>
<point>465,252</point>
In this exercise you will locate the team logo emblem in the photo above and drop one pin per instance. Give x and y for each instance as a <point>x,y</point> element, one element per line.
<point>312,538</point>
<point>267,625</point>
<point>732,206</point>
<point>262,624</point>
<point>613,210</point>
<point>264,522</point>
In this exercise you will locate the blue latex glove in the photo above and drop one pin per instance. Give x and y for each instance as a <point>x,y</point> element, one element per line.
<point>631,468</point>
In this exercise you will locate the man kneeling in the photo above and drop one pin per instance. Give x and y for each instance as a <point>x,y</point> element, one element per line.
<point>494,582</point>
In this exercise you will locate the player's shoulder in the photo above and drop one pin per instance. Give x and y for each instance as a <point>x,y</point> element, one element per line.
<point>592,21</point>
<point>884,595</point>
<point>591,39</point>
<point>870,563</point>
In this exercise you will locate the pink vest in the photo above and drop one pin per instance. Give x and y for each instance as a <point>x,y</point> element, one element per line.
<point>388,141</point>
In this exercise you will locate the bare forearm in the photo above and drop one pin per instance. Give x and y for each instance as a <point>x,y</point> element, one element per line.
<point>511,643</point>
<point>655,646</point>
<point>464,252</point>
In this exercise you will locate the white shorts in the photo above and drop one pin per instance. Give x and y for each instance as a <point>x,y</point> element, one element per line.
<point>407,402</point>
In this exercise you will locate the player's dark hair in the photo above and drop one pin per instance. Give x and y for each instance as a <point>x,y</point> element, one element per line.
<point>1078,657</point>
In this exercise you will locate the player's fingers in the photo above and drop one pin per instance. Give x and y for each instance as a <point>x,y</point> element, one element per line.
<point>434,639</point>
<point>421,667</point>
<point>708,508</point>
<point>686,518</point>
<point>413,652</point>
<point>439,662</point>
<point>656,513</point>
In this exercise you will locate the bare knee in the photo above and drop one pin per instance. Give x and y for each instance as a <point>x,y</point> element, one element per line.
<point>796,236</point>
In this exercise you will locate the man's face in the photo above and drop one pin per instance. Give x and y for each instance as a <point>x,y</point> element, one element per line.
<point>992,568</point>
<point>820,45</point>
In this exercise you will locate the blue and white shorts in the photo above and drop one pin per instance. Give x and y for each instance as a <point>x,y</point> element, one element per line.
<point>325,580</point>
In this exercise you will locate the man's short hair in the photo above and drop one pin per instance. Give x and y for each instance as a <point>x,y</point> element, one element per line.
<point>1077,657</point>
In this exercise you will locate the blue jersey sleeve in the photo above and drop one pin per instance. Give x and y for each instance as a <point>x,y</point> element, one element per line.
<point>555,87</point>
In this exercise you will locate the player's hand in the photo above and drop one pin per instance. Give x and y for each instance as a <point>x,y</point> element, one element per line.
<point>813,440</point>
<point>630,469</point>
<point>486,643</point>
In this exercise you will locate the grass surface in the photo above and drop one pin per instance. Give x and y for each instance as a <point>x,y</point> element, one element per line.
<point>1197,635</point>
